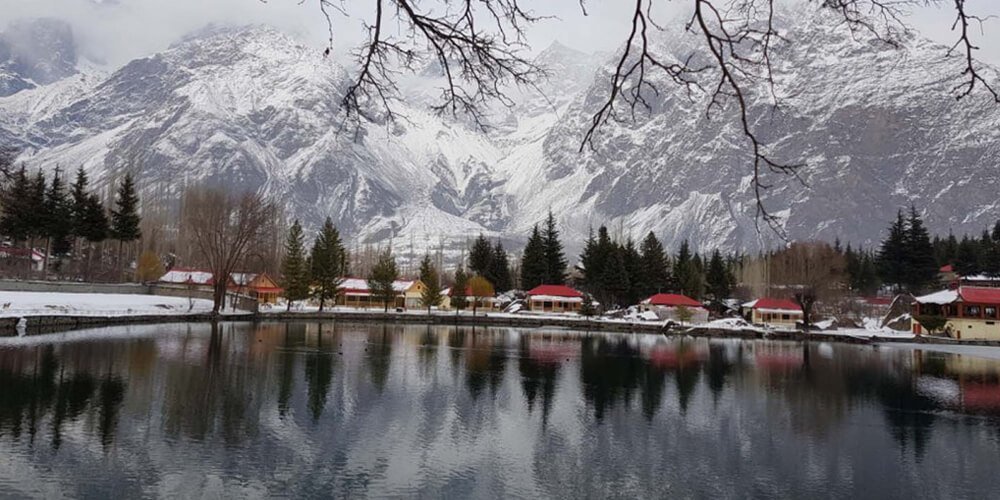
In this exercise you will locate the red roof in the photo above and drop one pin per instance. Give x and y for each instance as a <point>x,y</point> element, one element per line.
<point>672,300</point>
<point>979,295</point>
<point>555,290</point>
<point>947,268</point>
<point>781,304</point>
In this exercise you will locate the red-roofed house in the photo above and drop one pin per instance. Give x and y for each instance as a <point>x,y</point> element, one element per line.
<point>554,298</point>
<point>665,306</point>
<point>971,313</point>
<point>770,311</point>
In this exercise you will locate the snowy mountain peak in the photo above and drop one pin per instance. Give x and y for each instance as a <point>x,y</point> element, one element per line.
<point>250,108</point>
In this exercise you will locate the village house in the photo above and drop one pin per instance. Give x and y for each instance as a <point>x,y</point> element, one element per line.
<point>970,313</point>
<point>15,258</point>
<point>554,298</point>
<point>770,311</point>
<point>666,305</point>
<point>196,279</point>
<point>259,286</point>
<point>483,303</point>
<point>354,292</point>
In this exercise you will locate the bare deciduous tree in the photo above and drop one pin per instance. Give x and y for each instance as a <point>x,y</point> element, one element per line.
<point>481,48</point>
<point>223,228</point>
<point>811,271</point>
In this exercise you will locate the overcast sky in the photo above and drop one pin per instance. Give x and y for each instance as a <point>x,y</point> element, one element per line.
<point>120,30</point>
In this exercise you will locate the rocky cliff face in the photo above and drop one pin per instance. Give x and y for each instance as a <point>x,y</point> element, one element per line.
<point>250,108</point>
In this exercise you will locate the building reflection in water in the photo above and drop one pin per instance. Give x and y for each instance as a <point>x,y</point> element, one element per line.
<point>344,392</point>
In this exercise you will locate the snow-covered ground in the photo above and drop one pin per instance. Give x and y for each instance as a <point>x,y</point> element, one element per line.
<point>20,304</point>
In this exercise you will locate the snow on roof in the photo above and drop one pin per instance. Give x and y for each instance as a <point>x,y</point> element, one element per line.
<point>769,304</point>
<point>942,297</point>
<point>555,298</point>
<point>559,291</point>
<point>672,300</point>
<point>242,279</point>
<point>980,277</point>
<point>360,285</point>
<point>183,275</point>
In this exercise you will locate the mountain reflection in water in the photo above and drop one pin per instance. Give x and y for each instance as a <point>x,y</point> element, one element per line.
<point>320,409</point>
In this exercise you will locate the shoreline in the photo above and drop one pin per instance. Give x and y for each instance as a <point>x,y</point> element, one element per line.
<point>40,325</point>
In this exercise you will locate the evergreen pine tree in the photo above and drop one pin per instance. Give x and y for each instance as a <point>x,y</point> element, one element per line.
<point>717,278</point>
<point>633,268</point>
<point>78,202</point>
<point>687,272</point>
<point>14,217</point>
<point>616,277</point>
<point>481,256</point>
<point>328,263</point>
<point>125,216</point>
<point>967,258</point>
<point>991,260</point>
<point>381,278</point>
<point>36,218</point>
<point>431,295</point>
<point>295,274</point>
<point>534,268</point>
<point>499,273</point>
<point>459,290</point>
<point>892,256</point>
<point>921,266</point>
<point>58,223</point>
<point>555,260</point>
<point>655,268</point>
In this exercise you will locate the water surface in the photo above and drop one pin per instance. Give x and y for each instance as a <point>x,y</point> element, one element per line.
<point>339,409</point>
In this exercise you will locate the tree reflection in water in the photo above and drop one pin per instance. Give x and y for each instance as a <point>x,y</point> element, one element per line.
<point>325,408</point>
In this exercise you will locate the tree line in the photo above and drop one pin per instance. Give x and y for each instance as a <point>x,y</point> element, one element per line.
<point>71,223</point>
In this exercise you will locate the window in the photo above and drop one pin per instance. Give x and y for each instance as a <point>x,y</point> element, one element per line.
<point>786,316</point>
<point>990,311</point>
<point>972,311</point>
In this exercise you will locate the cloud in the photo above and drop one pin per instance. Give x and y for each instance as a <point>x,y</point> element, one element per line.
<point>116,31</point>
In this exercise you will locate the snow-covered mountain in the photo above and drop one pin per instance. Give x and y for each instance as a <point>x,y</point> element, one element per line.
<point>250,108</point>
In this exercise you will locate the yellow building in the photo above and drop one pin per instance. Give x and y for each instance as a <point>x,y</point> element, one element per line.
<point>970,313</point>
<point>354,292</point>
<point>774,312</point>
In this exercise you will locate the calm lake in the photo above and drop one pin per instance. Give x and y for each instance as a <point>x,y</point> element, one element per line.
<point>325,409</point>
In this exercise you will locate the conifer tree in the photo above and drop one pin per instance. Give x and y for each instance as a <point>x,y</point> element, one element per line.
<point>381,278</point>
<point>431,295</point>
<point>633,269</point>
<point>892,254</point>
<point>921,266</point>
<point>555,260</point>
<point>991,260</point>
<point>499,273</point>
<point>34,207</point>
<point>125,216</point>
<point>328,264</point>
<point>655,268</point>
<point>78,201</point>
<point>967,257</point>
<point>481,256</point>
<point>687,272</point>
<point>294,273</point>
<point>717,278</point>
<point>534,268</point>
<point>14,216</point>
<point>615,280</point>
<point>459,290</point>
<point>57,222</point>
